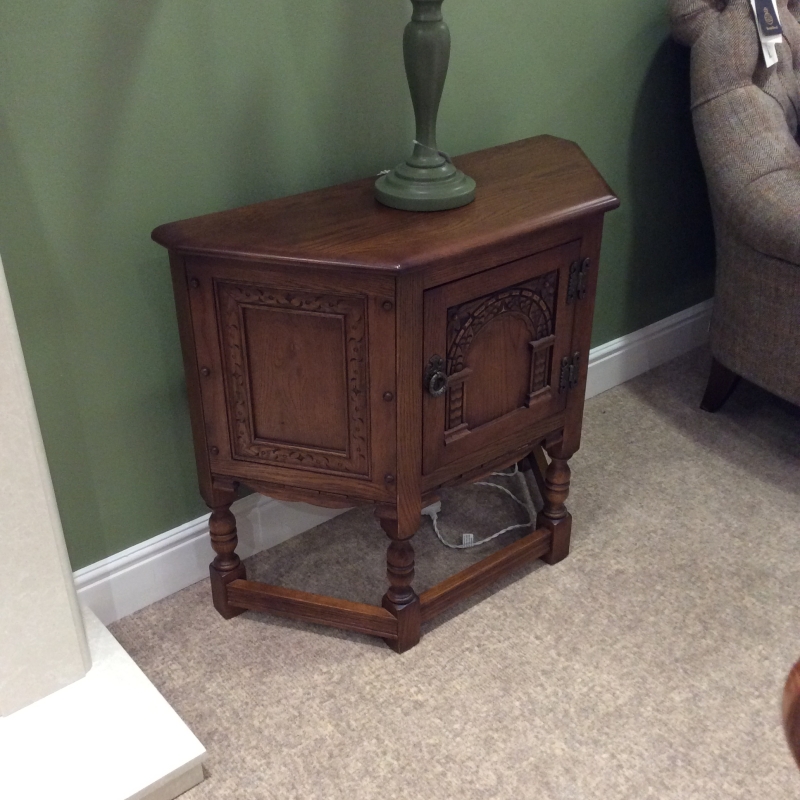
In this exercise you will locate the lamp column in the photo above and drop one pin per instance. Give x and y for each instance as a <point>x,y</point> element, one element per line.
<point>427,180</point>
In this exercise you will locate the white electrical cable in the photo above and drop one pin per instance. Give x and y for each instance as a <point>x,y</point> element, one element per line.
<point>528,506</point>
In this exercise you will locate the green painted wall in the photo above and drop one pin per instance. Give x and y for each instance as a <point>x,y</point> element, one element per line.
<point>115,117</point>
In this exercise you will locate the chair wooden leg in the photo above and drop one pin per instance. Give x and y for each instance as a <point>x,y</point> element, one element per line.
<point>791,711</point>
<point>721,383</point>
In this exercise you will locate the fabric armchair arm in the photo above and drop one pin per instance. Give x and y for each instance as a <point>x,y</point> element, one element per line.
<point>752,164</point>
<point>766,214</point>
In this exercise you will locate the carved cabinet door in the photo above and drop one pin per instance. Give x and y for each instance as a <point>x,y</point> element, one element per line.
<point>500,336</point>
<point>292,373</point>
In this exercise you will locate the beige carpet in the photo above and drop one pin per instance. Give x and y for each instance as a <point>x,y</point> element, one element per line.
<point>649,664</point>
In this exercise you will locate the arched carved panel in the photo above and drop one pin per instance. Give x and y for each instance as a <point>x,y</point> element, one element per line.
<point>533,302</point>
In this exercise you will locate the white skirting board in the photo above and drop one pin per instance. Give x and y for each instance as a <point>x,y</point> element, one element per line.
<point>152,570</point>
<point>147,572</point>
<point>615,362</point>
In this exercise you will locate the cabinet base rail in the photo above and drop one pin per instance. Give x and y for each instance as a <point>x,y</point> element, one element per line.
<point>375,620</point>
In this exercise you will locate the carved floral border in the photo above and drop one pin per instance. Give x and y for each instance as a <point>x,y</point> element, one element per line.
<point>232,298</point>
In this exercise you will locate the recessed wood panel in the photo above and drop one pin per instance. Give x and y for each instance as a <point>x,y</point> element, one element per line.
<point>500,359</point>
<point>296,378</point>
<point>294,356</point>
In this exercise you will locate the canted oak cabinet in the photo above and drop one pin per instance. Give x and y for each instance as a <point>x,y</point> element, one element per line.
<point>341,352</point>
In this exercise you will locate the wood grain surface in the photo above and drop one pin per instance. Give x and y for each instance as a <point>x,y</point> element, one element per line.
<point>523,187</point>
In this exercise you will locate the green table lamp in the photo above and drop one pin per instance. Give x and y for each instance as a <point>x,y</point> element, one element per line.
<point>427,180</point>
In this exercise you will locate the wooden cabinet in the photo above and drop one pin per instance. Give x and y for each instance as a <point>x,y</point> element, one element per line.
<point>341,352</point>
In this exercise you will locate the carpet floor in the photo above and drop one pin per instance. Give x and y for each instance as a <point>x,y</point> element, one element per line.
<point>648,664</point>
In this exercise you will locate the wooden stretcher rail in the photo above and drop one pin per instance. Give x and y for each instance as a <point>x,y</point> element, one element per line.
<point>465,583</point>
<point>331,611</point>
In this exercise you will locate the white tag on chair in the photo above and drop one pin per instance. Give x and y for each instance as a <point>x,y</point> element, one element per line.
<point>768,25</point>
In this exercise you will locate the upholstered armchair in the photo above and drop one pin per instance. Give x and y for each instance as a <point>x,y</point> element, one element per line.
<point>746,124</point>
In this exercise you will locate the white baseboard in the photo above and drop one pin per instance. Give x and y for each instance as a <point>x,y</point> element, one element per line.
<point>152,570</point>
<point>147,572</point>
<point>615,362</point>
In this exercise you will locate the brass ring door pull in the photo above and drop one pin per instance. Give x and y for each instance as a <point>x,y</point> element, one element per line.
<point>436,377</point>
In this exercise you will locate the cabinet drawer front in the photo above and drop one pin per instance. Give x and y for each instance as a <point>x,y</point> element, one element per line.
<point>502,335</point>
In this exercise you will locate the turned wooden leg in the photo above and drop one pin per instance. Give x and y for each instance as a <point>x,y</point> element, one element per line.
<point>721,383</point>
<point>554,515</point>
<point>401,599</point>
<point>227,566</point>
<point>536,462</point>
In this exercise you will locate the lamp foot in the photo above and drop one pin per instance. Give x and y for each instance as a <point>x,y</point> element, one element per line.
<point>425,189</point>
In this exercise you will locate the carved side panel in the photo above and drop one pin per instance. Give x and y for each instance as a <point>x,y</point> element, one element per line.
<point>533,303</point>
<point>296,381</point>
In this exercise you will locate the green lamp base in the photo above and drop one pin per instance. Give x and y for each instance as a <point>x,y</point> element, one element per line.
<point>425,188</point>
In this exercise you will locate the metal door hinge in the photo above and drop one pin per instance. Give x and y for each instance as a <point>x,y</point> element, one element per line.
<point>570,369</point>
<point>578,280</point>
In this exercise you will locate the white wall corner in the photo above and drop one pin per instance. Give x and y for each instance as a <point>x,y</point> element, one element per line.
<point>77,717</point>
<point>147,572</point>
<point>108,736</point>
<point>39,616</point>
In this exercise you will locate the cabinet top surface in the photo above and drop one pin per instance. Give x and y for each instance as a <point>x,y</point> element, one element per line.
<point>523,187</point>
